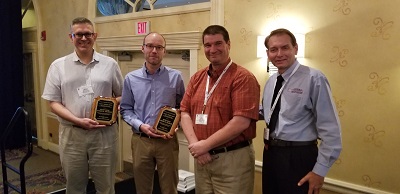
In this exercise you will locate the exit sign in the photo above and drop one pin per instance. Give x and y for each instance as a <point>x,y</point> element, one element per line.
<point>142,27</point>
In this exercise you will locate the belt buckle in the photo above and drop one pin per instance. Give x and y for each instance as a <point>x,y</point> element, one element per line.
<point>219,150</point>
<point>276,142</point>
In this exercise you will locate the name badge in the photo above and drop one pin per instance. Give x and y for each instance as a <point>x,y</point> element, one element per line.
<point>84,90</point>
<point>266,133</point>
<point>201,119</point>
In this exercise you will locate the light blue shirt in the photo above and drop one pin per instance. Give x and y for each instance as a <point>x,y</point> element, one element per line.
<point>307,112</point>
<point>143,95</point>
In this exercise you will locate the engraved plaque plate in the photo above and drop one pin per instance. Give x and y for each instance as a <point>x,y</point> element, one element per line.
<point>167,120</point>
<point>104,110</point>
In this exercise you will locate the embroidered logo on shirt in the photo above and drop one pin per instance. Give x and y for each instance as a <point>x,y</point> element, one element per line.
<point>296,90</point>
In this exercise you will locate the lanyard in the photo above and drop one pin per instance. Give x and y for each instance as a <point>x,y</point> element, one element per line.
<point>279,94</point>
<point>207,95</point>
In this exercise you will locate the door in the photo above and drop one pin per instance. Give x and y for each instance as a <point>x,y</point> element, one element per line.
<point>29,91</point>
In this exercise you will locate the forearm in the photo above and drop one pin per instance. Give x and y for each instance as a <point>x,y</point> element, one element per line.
<point>187,126</point>
<point>60,110</point>
<point>131,119</point>
<point>328,152</point>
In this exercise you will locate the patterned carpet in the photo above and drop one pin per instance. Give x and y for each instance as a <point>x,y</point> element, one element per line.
<point>43,171</point>
<point>44,175</point>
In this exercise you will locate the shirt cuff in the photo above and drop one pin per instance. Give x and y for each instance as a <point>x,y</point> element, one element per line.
<point>320,170</point>
<point>136,125</point>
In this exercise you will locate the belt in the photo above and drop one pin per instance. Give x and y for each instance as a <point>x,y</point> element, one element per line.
<point>283,143</point>
<point>230,148</point>
<point>146,136</point>
<point>76,126</point>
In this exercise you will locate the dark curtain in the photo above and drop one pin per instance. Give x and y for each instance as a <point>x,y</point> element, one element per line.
<point>11,70</point>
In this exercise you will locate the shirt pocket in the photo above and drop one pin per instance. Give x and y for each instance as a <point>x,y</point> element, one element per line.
<point>293,105</point>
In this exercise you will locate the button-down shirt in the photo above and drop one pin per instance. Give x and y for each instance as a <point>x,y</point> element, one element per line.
<point>67,74</point>
<point>143,95</point>
<point>237,94</point>
<point>307,112</point>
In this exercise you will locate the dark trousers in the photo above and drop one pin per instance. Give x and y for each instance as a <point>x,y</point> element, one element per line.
<point>284,167</point>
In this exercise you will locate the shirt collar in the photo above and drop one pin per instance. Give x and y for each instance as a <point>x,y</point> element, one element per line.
<point>95,57</point>
<point>216,73</point>
<point>158,72</point>
<point>289,71</point>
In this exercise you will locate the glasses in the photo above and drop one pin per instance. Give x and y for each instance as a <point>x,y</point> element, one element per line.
<point>151,47</point>
<point>80,35</point>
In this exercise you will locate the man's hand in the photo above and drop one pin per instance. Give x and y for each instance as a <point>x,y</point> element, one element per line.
<point>205,159</point>
<point>315,182</point>
<point>198,148</point>
<point>89,124</point>
<point>150,131</point>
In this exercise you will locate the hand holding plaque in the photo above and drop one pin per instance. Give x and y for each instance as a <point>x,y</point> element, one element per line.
<point>167,120</point>
<point>104,110</point>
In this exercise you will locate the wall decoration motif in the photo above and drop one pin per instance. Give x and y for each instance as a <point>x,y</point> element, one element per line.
<point>369,182</point>
<point>374,135</point>
<point>378,83</point>
<point>342,7</point>
<point>339,56</point>
<point>382,28</point>
<point>181,20</point>
<point>227,18</point>
<point>272,11</point>
<point>339,105</point>
<point>338,161</point>
<point>245,36</point>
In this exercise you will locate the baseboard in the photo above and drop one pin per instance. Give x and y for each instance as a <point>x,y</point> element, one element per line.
<point>53,147</point>
<point>349,188</point>
<point>338,186</point>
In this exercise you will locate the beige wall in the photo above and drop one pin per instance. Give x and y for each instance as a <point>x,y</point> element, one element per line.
<point>353,42</point>
<point>55,19</point>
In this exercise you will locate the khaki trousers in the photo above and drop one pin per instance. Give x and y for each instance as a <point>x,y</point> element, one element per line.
<point>229,173</point>
<point>83,151</point>
<point>151,153</point>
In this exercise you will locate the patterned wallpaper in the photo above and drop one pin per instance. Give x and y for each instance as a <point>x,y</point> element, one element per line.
<point>355,44</point>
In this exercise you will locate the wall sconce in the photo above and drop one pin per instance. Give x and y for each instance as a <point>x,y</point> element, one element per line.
<point>301,42</point>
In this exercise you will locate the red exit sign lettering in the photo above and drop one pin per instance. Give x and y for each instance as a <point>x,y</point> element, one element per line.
<point>142,27</point>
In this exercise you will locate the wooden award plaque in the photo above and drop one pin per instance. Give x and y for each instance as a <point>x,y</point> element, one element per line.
<point>104,110</point>
<point>167,120</point>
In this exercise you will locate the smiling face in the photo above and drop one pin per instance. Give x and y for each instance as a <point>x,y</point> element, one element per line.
<point>216,49</point>
<point>281,52</point>
<point>83,44</point>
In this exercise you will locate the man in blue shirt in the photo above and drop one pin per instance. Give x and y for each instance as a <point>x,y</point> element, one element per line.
<point>145,92</point>
<point>302,112</point>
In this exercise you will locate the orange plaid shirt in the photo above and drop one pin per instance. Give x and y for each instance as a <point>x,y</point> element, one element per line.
<point>237,94</point>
